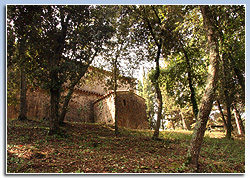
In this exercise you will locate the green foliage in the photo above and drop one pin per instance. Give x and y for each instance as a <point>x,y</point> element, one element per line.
<point>77,36</point>
<point>56,44</point>
<point>146,90</point>
<point>231,25</point>
<point>174,76</point>
<point>13,85</point>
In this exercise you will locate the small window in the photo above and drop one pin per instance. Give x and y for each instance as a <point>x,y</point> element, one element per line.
<point>124,102</point>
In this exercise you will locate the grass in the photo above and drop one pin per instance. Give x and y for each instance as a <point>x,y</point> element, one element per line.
<point>93,148</point>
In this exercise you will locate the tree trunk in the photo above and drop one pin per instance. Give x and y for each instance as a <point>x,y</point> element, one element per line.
<point>226,95</point>
<point>54,72</point>
<point>162,124</point>
<point>154,79</point>
<point>183,121</point>
<point>207,100</point>
<point>239,123</point>
<point>229,119</point>
<point>23,89</point>
<point>159,111</point>
<point>54,103</point>
<point>158,93</point>
<point>23,103</point>
<point>115,95</point>
<point>69,94</point>
<point>241,79</point>
<point>173,124</point>
<point>65,106</point>
<point>222,115</point>
<point>189,71</point>
<point>54,124</point>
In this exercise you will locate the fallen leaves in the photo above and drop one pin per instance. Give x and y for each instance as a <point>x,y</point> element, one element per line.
<point>93,148</point>
<point>25,151</point>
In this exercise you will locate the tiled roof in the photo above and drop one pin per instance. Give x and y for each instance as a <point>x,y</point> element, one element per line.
<point>83,90</point>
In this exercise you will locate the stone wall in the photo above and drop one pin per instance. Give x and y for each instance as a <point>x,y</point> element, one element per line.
<point>104,110</point>
<point>131,110</point>
<point>80,108</point>
<point>37,105</point>
<point>89,107</point>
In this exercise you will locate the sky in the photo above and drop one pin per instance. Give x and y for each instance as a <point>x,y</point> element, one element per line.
<point>3,92</point>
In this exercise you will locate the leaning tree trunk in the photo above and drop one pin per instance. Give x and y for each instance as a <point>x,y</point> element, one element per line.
<point>65,105</point>
<point>69,94</point>
<point>183,121</point>
<point>239,123</point>
<point>222,114</point>
<point>207,100</point>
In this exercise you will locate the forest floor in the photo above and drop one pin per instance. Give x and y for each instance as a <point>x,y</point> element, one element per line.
<point>93,148</point>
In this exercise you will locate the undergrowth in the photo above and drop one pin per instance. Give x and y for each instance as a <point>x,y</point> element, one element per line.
<point>94,148</point>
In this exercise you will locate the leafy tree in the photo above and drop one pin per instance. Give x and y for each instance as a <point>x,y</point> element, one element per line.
<point>159,29</point>
<point>22,27</point>
<point>146,90</point>
<point>176,115</point>
<point>184,71</point>
<point>158,40</point>
<point>207,100</point>
<point>69,37</point>
<point>230,23</point>
<point>162,24</point>
<point>122,54</point>
<point>86,29</point>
